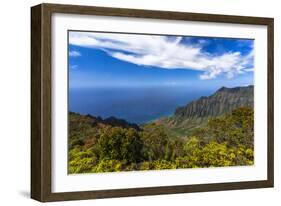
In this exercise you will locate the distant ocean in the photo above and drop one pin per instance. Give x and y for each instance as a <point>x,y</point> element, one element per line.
<point>136,105</point>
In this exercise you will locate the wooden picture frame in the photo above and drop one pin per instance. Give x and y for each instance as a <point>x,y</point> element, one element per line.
<point>41,95</point>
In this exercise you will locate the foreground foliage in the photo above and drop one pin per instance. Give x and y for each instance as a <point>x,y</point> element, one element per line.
<point>98,147</point>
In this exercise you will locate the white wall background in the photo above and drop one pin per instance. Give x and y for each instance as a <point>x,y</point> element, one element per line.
<point>15,102</point>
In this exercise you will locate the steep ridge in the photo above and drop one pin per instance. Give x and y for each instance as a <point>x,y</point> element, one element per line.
<point>221,102</point>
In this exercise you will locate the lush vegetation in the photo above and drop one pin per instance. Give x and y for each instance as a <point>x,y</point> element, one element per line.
<point>95,146</point>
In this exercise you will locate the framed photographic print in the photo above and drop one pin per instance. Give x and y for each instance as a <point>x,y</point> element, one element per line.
<point>132,102</point>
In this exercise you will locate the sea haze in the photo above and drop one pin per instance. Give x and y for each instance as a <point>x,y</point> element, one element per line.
<point>136,105</point>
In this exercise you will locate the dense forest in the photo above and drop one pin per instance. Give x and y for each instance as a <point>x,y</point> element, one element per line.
<point>108,145</point>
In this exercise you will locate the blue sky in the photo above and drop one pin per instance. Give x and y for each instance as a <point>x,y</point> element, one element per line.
<point>133,60</point>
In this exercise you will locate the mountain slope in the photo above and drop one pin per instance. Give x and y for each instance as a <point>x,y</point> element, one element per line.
<point>222,101</point>
<point>197,112</point>
<point>76,119</point>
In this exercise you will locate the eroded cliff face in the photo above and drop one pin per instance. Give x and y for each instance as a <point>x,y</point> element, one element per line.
<point>222,101</point>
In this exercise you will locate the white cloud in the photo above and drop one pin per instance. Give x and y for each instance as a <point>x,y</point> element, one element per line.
<point>230,64</point>
<point>74,54</point>
<point>165,52</point>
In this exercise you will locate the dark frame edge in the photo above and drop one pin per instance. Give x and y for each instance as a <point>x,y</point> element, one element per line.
<point>156,14</point>
<point>41,103</point>
<point>270,101</point>
<point>166,190</point>
<point>36,138</point>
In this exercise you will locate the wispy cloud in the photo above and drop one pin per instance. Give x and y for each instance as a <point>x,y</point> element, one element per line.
<point>74,54</point>
<point>230,64</point>
<point>73,66</point>
<point>166,52</point>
